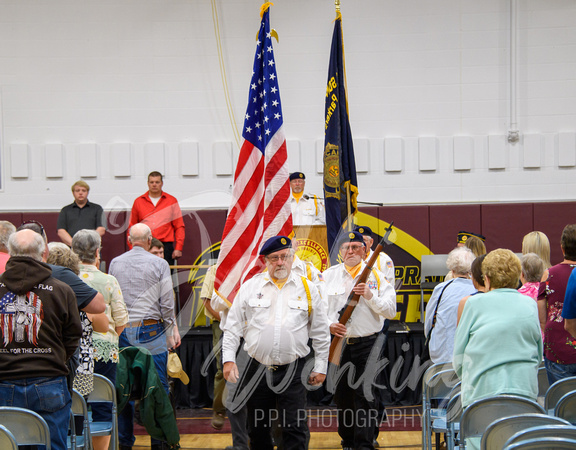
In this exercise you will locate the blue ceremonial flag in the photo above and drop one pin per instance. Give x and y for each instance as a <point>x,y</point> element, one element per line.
<point>340,184</point>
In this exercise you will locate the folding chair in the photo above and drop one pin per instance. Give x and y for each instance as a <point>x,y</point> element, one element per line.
<point>430,266</point>
<point>438,390</point>
<point>7,439</point>
<point>544,443</point>
<point>104,391</point>
<point>479,415</point>
<point>27,427</point>
<point>426,405</point>
<point>566,407</point>
<point>499,431</point>
<point>79,409</point>
<point>557,391</point>
<point>542,432</point>
<point>452,418</point>
<point>543,384</point>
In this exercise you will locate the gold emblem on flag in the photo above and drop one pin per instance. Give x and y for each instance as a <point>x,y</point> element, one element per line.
<point>331,171</point>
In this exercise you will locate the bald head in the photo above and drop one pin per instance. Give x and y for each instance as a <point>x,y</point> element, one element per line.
<point>27,243</point>
<point>140,236</point>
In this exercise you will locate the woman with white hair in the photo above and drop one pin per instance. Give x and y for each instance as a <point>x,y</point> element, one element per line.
<point>442,308</point>
<point>86,244</point>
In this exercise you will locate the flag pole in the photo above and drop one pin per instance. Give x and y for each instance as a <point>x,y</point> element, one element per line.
<point>337,5</point>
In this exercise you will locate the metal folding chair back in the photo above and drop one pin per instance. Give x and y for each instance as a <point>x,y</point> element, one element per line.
<point>27,427</point>
<point>426,420</point>
<point>499,431</point>
<point>80,409</point>
<point>438,389</point>
<point>7,439</point>
<point>542,432</point>
<point>430,266</point>
<point>555,443</point>
<point>453,416</point>
<point>543,384</point>
<point>566,407</point>
<point>557,391</point>
<point>479,415</point>
<point>104,391</point>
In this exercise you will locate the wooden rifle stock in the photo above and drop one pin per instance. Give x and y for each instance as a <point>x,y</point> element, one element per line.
<point>336,344</point>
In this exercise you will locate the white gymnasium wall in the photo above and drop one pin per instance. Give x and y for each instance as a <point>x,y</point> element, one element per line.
<point>108,90</point>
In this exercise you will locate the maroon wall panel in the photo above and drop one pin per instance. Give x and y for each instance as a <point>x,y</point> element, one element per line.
<point>447,220</point>
<point>15,218</point>
<point>551,218</point>
<point>504,225</point>
<point>114,241</point>
<point>410,219</point>
<point>48,221</point>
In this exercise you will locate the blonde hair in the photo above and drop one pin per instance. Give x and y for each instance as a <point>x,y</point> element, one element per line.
<point>476,245</point>
<point>81,183</point>
<point>503,268</point>
<point>537,242</point>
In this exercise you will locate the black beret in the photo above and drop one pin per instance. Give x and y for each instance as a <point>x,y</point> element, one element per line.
<point>297,175</point>
<point>464,235</point>
<point>350,236</point>
<point>274,244</point>
<point>364,231</point>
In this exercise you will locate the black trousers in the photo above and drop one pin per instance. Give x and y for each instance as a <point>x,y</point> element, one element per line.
<point>356,398</point>
<point>168,250</point>
<point>278,396</point>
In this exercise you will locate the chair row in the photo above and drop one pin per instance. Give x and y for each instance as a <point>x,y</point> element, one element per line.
<point>442,411</point>
<point>20,426</point>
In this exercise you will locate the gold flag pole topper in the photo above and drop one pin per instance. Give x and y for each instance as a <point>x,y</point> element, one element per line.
<point>337,5</point>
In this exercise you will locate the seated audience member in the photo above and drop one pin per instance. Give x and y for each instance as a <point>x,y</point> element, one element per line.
<point>442,308</point>
<point>477,281</point>
<point>86,244</point>
<point>537,242</point>
<point>498,347</point>
<point>59,254</point>
<point>42,332</point>
<point>559,347</point>
<point>157,248</point>
<point>6,229</point>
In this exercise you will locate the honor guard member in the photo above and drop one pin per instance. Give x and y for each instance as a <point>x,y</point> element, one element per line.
<point>463,236</point>
<point>276,312</point>
<point>306,209</point>
<point>384,263</point>
<point>356,401</point>
<point>308,270</point>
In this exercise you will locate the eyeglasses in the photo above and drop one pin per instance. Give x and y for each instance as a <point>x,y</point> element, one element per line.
<point>351,248</point>
<point>276,258</point>
<point>33,225</point>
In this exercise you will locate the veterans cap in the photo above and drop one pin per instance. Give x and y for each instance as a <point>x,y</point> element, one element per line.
<point>274,244</point>
<point>350,236</point>
<point>174,368</point>
<point>464,235</point>
<point>364,231</point>
<point>297,175</point>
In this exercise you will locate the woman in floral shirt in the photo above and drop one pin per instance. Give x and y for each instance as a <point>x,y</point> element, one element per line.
<point>86,244</point>
<point>559,348</point>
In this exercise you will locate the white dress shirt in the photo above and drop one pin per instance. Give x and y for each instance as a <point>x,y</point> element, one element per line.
<point>385,265</point>
<point>368,316</point>
<point>276,323</point>
<point>309,210</point>
<point>308,270</point>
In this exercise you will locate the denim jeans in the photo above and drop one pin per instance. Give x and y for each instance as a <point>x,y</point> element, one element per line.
<point>556,371</point>
<point>48,396</point>
<point>153,339</point>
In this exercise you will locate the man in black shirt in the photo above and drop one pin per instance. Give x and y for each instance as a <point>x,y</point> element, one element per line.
<point>80,215</point>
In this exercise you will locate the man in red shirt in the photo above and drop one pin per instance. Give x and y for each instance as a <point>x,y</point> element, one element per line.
<point>160,211</point>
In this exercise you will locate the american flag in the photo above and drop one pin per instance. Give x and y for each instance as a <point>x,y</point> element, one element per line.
<point>260,207</point>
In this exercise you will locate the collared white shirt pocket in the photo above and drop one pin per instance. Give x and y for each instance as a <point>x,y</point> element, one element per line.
<point>259,302</point>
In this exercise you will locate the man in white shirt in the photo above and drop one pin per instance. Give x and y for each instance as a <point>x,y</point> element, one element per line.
<point>306,209</point>
<point>384,263</point>
<point>357,404</point>
<point>276,312</point>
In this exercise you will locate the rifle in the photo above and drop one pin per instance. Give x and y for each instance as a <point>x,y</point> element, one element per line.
<point>348,309</point>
